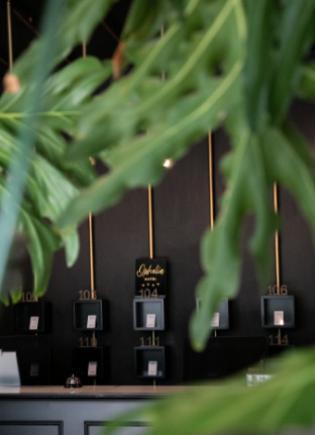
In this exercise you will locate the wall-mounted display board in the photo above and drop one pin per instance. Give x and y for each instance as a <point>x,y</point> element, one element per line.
<point>148,314</point>
<point>33,317</point>
<point>91,364</point>
<point>89,315</point>
<point>150,362</point>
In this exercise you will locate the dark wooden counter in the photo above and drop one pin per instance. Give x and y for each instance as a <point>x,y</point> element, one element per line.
<point>54,410</point>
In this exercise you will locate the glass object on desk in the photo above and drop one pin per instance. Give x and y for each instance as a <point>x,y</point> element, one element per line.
<point>9,370</point>
<point>73,382</point>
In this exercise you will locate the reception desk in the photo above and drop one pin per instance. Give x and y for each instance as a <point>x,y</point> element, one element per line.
<point>55,410</point>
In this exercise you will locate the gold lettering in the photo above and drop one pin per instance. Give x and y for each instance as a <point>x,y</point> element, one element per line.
<point>145,271</point>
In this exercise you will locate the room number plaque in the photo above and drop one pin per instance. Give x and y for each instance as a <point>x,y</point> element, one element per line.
<point>151,277</point>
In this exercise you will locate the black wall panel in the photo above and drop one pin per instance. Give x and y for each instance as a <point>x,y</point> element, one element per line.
<point>181,216</point>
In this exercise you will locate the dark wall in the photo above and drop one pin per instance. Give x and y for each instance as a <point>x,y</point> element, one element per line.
<point>181,215</point>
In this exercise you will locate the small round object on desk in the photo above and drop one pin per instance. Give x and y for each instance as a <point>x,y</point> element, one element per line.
<point>73,382</point>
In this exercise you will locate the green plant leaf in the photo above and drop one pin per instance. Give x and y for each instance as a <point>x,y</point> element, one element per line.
<point>300,17</point>
<point>75,26</point>
<point>51,181</point>
<point>247,193</point>
<point>306,86</point>
<point>202,101</point>
<point>302,185</point>
<point>284,402</point>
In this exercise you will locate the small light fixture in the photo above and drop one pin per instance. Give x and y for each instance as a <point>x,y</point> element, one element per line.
<point>168,163</point>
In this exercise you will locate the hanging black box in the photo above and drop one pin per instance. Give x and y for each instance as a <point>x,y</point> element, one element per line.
<point>34,355</point>
<point>151,276</point>
<point>32,317</point>
<point>84,312</point>
<point>150,362</point>
<point>90,364</point>
<point>143,308</point>
<point>221,317</point>
<point>278,311</point>
<point>35,365</point>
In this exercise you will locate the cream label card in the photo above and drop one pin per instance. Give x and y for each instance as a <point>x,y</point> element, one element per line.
<point>152,368</point>
<point>91,321</point>
<point>34,321</point>
<point>92,368</point>
<point>278,318</point>
<point>150,321</point>
<point>215,323</point>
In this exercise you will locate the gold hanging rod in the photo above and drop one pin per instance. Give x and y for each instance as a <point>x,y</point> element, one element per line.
<point>150,221</point>
<point>91,227</point>
<point>91,249</point>
<point>10,39</point>
<point>211,180</point>
<point>275,190</point>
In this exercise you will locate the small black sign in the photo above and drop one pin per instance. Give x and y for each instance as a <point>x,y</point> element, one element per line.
<point>151,276</point>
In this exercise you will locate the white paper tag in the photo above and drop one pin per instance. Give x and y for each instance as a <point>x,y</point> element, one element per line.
<point>150,321</point>
<point>278,318</point>
<point>215,323</point>
<point>92,368</point>
<point>91,321</point>
<point>152,368</point>
<point>34,321</point>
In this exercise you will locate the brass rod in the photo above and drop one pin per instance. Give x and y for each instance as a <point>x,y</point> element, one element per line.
<point>150,198</point>
<point>10,39</point>
<point>150,221</point>
<point>211,182</point>
<point>91,249</point>
<point>91,228</point>
<point>277,238</point>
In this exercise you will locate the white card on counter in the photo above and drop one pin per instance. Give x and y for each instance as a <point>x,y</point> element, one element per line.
<point>34,321</point>
<point>278,318</point>
<point>152,368</point>
<point>215,323</point>
<point>92,368</point>
<point>150,321</point>
<point>91,321</point>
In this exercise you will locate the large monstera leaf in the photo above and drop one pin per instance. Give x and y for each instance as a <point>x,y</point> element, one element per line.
<point>52,180</point>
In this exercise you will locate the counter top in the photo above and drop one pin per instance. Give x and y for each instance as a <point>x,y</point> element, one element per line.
<point>101,392</point>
